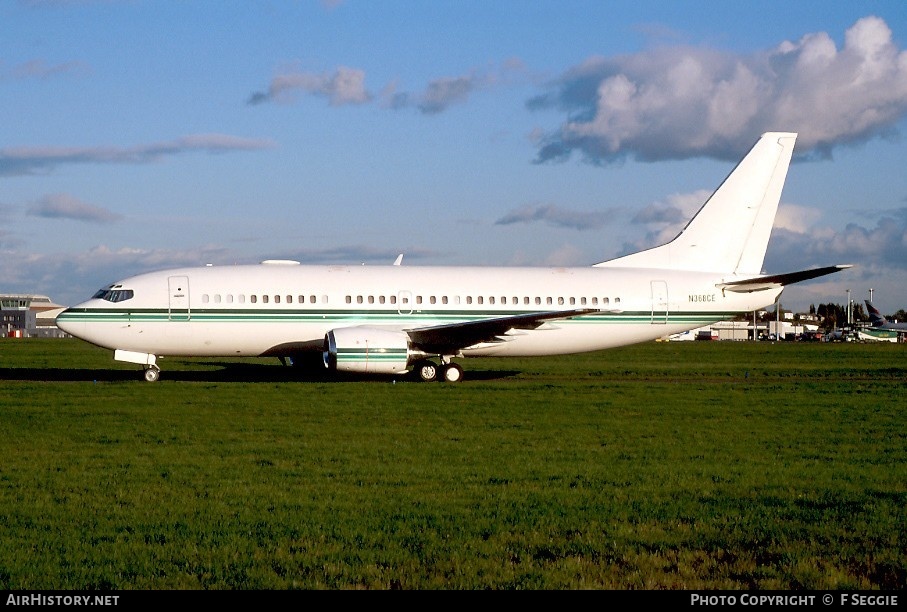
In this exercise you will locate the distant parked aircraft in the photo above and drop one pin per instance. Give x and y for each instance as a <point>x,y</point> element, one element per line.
<point>878,321</point>
<point>391,319</point>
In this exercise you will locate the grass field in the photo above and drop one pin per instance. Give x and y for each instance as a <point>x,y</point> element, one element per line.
<point>699,465</point>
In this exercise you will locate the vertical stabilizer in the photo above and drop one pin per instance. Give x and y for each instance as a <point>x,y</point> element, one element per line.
<point>876,318</point>
<point>730,232</point>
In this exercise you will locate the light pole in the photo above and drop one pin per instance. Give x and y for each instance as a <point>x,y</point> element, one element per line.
<point>848,306</point>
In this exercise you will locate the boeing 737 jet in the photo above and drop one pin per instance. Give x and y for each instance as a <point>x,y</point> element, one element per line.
<point>395,319</point>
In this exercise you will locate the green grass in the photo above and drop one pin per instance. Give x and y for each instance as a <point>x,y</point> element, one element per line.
<point>665,465</point>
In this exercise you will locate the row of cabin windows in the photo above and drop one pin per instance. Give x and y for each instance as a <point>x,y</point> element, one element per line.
<point>404,299</point>
<point>265,299</point>
<point>573,301</point>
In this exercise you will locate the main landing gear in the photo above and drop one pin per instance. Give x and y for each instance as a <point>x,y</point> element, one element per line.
<point>427,370</point>
<point>152,373</point>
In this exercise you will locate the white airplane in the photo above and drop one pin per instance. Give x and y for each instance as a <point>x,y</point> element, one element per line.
<point>393,319</point>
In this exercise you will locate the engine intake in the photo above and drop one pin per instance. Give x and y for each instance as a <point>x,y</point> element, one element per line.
<point>366,350</point>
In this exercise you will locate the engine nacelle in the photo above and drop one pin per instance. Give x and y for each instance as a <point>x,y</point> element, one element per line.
<point>367,350</point>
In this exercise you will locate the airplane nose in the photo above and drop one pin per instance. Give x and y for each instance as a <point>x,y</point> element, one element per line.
<point>67,324</point>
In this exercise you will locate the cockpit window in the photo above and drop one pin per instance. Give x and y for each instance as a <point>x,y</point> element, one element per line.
<point>114,295</point>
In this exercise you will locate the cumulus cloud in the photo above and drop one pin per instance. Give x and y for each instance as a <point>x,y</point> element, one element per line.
<point>347,86</point>
<point>343,86</point>
<point>663,220</point>
<point>566,255</point>
<point>796,218</point>
<point>884,244</point>
<point>70,278</point>
<point>35,160</point>
<point>878,251</point>
<point>64,206</point>
<point>438,96</point>
<point>556,216</point>
<point>673,103</point>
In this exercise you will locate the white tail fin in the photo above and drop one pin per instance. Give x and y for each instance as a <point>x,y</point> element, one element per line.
<point>730,232</point>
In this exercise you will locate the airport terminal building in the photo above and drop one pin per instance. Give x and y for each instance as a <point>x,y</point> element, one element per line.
<point>29,316</point>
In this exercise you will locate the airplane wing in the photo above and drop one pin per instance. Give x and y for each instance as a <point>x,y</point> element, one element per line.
<point>775,281</point>
<point>444,339</point>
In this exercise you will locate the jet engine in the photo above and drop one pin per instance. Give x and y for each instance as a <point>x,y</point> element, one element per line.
<point>366,350</point>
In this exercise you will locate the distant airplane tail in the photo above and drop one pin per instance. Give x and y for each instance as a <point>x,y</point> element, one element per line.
<point>730,232</point>
<point>875,316</point>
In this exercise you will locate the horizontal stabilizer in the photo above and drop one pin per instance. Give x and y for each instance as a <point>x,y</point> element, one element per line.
<point>776,281</point>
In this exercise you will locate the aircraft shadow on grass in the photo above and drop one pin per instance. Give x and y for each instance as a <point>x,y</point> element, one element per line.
<point>227,373</point>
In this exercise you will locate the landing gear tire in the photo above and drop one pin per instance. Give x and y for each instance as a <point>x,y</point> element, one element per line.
<point>152,373</point>
<point>452,373</point>
<point>427,371</point>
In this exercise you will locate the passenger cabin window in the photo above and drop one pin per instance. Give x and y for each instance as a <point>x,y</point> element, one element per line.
<point>253,298</point>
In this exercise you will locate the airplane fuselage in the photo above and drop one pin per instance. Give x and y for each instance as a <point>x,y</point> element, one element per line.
<point>275,309</point>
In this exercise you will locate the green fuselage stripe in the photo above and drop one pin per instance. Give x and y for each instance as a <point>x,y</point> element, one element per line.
<point>85,315</point>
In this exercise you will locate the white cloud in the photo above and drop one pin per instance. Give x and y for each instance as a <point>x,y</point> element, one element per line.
<point>795,218</point>
<point>556,216</point>
<point>343,86</point>
<point>664,220</point>
<point>33,160</point>
<point>65,206</point>
<point>674,103</point>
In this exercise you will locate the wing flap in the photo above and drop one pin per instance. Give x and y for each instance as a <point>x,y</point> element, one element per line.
<point>449,338</point>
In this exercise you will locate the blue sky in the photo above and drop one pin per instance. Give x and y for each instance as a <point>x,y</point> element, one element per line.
<point>140,135</point>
